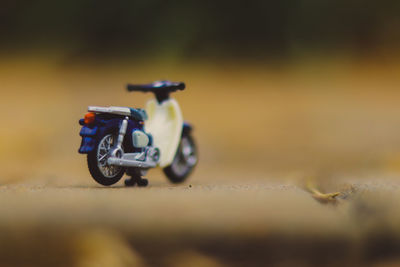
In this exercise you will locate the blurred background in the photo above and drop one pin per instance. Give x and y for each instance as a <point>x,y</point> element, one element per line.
<point>196,30</point>
<point>288,85</point>
<point>276,90</point>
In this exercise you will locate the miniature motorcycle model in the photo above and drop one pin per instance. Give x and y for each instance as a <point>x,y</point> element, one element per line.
<point>119,140</point>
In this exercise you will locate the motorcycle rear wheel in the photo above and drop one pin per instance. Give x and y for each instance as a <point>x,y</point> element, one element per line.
<point>101,172</point>
<point>184,161</point>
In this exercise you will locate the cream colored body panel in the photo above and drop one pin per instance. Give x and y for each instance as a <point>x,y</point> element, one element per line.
<point>165,125</point>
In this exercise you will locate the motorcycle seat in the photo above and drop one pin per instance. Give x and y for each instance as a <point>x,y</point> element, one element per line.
<point>134,113</point>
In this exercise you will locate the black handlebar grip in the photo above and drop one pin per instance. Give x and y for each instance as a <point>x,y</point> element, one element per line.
<point>160,89</point>
<point>157,87</point>
<point>139,88</point>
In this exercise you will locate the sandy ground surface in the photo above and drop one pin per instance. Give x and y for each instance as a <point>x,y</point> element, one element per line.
<point>272,142</point>
<point>201,223</point>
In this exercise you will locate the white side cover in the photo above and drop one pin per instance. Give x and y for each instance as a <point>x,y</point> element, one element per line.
<point>165,125</point>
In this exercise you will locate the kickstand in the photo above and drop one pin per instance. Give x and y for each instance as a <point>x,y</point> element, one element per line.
<point>136,180</point>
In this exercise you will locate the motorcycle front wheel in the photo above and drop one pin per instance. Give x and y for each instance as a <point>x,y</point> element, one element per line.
<point>101,171</point>
<point>184,161</point>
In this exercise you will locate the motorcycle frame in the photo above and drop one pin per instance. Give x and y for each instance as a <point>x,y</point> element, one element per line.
<point>91,134</point>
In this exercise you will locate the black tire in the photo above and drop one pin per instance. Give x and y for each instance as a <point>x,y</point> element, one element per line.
<point>94,168</point>
<point>182,165</point>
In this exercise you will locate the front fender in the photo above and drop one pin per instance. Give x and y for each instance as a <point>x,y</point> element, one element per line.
<point>187,128</point>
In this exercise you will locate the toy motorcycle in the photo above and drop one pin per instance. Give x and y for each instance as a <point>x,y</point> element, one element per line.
<point>120,140</point>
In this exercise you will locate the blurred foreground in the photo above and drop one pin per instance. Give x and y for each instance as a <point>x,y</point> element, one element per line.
<point>253,223</point>
<point>263,131</point>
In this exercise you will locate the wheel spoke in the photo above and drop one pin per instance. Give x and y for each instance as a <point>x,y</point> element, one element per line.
<point>104,148</point>
<point>103,157</point>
